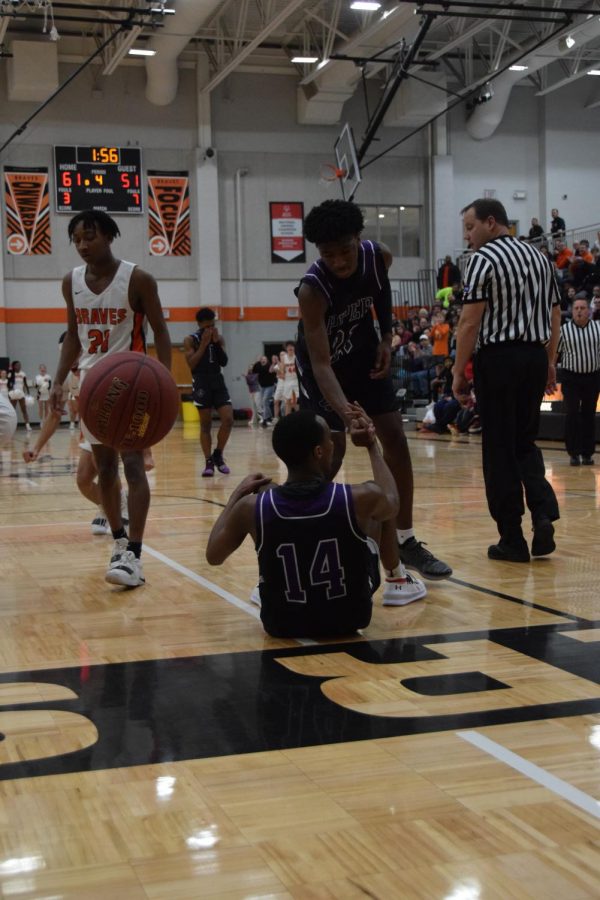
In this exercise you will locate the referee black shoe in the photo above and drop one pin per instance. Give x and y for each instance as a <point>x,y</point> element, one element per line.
<point>505,552</point>
<point>414,556</point>
<point>543,538</point>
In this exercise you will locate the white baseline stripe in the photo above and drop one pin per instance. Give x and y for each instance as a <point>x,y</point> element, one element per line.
<point>565,790</point>
<point>211,586</point>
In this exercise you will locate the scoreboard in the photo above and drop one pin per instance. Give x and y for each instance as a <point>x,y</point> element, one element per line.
<point>106,178</point>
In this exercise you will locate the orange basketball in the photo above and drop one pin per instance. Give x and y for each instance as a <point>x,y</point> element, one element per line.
<point>128,401</point>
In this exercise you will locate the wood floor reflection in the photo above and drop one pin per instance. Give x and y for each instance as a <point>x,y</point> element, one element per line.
<point>423,814</point>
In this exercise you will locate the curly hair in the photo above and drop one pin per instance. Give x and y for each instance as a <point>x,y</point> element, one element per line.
<point>295,437</point>
<point>95,218</point>
<point>333,220</point>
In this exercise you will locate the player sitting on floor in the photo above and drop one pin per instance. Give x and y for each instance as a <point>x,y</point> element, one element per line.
<point>317,541</point>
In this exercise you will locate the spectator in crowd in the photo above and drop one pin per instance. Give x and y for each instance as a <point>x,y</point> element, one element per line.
<point>557,225</point>
<point>595,306</point>
<point>536,230</point>
<point>441,384</point>
<point>251,379</point>
<point>440,335</point>
<point>417,365</point>
<point>562,258</point>
<point>42,383</point>
<point>18,390</point>
<point>448,273</point>
<point>596,245</point>
<point>401,336</point>
<point>545,251</point>
<point>266,382</point>
<point>277,369</point>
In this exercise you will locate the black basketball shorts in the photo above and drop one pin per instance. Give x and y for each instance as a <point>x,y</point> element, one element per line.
<point>210,397</point>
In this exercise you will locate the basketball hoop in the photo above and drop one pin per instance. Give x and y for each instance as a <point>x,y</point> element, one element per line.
<point>329,174</point>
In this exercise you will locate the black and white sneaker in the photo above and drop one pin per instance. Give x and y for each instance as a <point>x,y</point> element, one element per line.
<point>414,556</point>
<point>124,567</point>
<point>99,523</point>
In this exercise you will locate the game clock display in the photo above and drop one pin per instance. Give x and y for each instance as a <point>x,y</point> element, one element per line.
<point>106,178</point>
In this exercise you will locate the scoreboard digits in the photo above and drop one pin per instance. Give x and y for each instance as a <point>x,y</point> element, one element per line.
<point>106,178</point>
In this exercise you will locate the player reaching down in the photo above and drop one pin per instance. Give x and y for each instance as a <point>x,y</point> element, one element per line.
<point>340,358</point>
<point>317,540</point>
<point>108,301</point>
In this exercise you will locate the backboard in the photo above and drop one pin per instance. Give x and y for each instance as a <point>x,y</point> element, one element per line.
<point>346,159</point>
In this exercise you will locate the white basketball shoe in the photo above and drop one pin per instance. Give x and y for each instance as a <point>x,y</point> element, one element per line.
<point>402,589</point>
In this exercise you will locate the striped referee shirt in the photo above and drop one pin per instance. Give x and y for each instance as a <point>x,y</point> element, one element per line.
<point>579,347</point>
<point>517,284</point>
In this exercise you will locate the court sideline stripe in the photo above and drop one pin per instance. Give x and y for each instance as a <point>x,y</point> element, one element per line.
<point>530,603</point>
<point>214,588</point>
<point>546,779</point>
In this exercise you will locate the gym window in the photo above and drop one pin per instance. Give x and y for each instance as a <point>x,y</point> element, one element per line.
<point>397,226</point>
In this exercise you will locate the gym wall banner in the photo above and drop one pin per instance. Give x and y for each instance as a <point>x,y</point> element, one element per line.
<point>26,200</point>
<point>169,214</point>
<point>287,240</point>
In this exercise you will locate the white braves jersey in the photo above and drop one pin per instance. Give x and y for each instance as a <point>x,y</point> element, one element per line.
<point>289,367</point>
<point>106,323</point>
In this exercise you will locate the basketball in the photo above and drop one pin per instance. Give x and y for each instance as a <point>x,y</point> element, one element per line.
<point>129,401</point>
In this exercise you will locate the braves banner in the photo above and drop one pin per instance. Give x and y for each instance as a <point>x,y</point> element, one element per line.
<point>169,214</point>
<point>27,211</point>
<point>287,239</point>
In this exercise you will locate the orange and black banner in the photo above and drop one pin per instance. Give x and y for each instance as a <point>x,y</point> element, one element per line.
<point>26,200</point>
<point>169,214</point>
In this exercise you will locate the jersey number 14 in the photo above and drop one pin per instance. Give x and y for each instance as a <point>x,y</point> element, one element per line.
<point>325,569</point>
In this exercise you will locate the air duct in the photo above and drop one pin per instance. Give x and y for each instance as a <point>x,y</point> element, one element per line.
<point>486,117</point>
<point>161,70</point>
<point>321,97</point>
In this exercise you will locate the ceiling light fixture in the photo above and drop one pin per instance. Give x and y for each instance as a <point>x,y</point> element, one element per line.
<point>518,68</point>
<point>594,72</point>
<point>162,11</point>
<point>566,43</point>
<point>139,51</point>
<point>365,5</point>
<point>304,59</point>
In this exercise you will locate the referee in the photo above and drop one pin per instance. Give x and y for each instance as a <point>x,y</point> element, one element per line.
<point>579,352</point>
<point>511,317</point>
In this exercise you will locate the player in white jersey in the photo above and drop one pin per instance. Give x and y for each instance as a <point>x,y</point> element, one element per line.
<point>108,301</point>
<point>290,378</point>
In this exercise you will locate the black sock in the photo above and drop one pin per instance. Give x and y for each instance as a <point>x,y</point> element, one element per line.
<point>120,533</point>
<point>135,547</point>
<point>217,455</point>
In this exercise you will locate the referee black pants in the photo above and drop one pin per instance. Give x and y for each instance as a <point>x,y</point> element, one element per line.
<point>510,379</point>
<point>580,393</point>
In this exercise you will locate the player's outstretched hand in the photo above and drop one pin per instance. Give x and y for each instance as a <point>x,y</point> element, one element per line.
<point>361,428</point>
<point>252,484</point>
<point>383,361</point>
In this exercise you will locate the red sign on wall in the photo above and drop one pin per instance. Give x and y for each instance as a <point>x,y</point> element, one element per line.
<point>287,240</point>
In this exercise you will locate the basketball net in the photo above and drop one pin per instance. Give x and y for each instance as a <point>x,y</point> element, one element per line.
<point>330,174</point>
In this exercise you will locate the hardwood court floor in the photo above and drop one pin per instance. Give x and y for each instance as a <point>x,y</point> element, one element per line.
<point>157,744</point>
